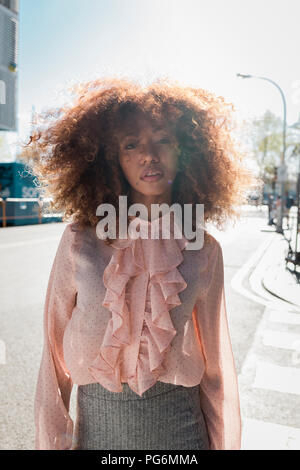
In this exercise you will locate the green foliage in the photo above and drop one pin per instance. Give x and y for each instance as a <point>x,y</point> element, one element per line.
<point>266,136</point>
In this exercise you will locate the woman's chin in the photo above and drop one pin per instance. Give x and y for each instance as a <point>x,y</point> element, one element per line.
<point>152,192</point>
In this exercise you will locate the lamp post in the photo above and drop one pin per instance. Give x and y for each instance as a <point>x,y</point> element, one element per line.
<point>279,221</point>
<point>296,125</point>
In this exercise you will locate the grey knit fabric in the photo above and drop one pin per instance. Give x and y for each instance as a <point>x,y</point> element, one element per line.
<point>166,417</point>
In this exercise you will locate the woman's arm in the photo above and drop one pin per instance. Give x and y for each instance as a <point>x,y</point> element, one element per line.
<point>219,394</point>
<point>53,425</point>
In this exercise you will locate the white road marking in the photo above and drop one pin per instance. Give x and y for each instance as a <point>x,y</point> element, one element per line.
<point>242,273</point>
<point>281,379</point>
<point>285,317</point>
<point>29,242</point>
<point>281,339</point>
<point>262,435</point>
<point>255,373</point>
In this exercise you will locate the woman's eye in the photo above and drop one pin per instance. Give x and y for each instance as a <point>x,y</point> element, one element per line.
<point>133,144</point>
<point>126,147</point>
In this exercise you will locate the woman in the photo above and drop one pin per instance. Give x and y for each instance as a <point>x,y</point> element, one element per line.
<point>139,324</point>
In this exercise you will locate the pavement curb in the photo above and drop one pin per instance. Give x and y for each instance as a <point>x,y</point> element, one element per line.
<point>278,280</point>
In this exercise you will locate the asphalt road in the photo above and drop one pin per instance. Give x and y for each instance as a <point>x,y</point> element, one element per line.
<point>26,256</point>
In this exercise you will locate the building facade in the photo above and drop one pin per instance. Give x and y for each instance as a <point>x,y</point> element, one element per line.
<point>9,27</point>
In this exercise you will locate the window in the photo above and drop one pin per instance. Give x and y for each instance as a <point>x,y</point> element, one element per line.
<point>2,92</point>
<point>12,5</point>
<point>9,26</point>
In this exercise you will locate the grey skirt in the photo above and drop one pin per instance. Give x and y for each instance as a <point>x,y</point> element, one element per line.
<point>166,417</point>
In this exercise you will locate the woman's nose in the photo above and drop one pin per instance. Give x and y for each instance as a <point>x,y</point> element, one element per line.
<point>149,152</point>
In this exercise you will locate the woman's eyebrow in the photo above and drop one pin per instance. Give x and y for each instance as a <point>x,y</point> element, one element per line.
<point>130,135</point>
<point>134,134</point>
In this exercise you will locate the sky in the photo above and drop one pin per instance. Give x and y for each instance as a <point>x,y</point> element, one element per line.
<point>197,42</point>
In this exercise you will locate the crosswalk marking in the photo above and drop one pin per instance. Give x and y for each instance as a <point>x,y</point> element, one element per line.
<point>262,435</point>
<point>281,339</point>
<point>279,316</point>
<point>273,377</point>
<point>258,373</point>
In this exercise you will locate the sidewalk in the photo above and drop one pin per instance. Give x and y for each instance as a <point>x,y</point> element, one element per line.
<point>278,280</point>
<point>269,380</point>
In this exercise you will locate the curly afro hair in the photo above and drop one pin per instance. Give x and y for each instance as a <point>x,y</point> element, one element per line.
<point>77,149</point>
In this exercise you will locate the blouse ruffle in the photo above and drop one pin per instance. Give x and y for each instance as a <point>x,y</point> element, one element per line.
<point>159,259</point>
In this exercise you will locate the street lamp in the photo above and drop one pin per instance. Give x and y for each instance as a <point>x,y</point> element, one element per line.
<point>296,125</point>
<point>279,222</point>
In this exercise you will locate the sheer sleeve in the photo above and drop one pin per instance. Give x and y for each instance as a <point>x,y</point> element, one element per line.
<point>219,394</point>
<point>53,425</point>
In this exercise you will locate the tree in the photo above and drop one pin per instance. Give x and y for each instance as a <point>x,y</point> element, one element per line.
<point>266,134</point>
<point>28,154</point>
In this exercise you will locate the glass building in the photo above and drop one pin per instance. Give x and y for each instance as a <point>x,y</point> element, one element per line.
<point>9,25</point>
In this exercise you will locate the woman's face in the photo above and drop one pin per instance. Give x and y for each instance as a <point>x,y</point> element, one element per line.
<point>143,149</point>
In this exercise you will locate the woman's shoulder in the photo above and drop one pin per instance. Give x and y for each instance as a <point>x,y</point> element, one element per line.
<point>74,227</point>
<point>83,238</point>
<point>209,239</point>
<point>69,232</point>
<point>211,251</point>
<point>208,244</point>
<point>73,235</point>
<point>204,257</point>
<point>211,244</point>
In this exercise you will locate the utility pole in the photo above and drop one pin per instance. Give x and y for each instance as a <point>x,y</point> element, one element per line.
<point>282,168</point>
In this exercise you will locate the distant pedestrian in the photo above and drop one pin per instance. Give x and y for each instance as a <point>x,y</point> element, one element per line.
<point>271,209</point>
<point>288,203</point>
<point>278,210</point>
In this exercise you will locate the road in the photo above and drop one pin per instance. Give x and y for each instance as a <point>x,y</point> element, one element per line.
<point>259,335</point>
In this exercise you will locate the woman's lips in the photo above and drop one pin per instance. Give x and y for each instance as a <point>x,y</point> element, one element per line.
<point>152,179</point>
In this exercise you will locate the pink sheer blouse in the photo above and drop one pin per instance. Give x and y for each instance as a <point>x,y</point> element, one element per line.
<point>138,311</point>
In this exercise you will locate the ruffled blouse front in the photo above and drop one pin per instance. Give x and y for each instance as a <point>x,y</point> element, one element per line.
<point>139,311</point>
<point>147,266</point>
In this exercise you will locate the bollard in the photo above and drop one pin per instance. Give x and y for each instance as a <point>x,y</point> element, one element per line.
<point>3,212</point>
<point>40,203</point>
